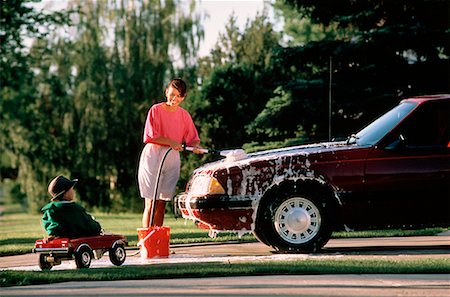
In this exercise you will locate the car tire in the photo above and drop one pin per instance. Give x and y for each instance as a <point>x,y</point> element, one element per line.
<point>43,264</point>
<point>117,254</point>
<point>83,256</point>
<point>259,235</point>
<point>293,222</point>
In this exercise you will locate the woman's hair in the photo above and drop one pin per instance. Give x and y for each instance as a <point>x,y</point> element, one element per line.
<point>179,85</point>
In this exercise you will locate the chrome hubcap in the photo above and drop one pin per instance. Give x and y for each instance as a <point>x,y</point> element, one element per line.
<point>86,258</point>
<point>297,220</point>
<point>120,253</point>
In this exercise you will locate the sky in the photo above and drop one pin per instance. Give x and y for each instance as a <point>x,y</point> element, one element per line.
<point>219,12</point>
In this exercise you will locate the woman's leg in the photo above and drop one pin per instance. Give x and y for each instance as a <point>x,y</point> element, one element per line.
<point>158,216</point>
<point>147,212</point>
<point>160,211</point>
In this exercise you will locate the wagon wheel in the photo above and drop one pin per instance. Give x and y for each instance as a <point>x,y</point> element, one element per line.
<point>43,264</point>
<point>83,257</point>
<point>117,254</point>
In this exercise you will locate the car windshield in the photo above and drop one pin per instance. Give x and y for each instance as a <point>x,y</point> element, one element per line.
<point>375,131</point>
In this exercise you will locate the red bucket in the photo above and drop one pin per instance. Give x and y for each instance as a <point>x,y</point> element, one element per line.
<point>154,241</point>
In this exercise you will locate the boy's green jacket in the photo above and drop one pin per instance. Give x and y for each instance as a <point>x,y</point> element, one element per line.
<point>68,219</point>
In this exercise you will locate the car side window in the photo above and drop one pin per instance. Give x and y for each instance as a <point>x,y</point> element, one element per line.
<point>428,127</point>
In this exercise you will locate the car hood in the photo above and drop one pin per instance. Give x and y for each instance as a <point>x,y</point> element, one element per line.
<point>301,150</point>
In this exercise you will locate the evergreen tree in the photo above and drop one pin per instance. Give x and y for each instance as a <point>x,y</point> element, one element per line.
<point>237,80</point>
<point>381,51</point>
<point>23,118</point>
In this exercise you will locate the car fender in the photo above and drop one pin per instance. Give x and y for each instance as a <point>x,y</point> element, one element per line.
<point>118,242</point>
<point>81,245</point>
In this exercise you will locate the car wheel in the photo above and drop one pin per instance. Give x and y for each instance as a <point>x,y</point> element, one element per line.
<point>43,264</point>
<point>83,257</point>
<point>117,254</point>
<point>259,235</point>
<point>295,223</point>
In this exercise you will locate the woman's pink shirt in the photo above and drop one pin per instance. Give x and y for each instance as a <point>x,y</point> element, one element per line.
<point>177,125</point>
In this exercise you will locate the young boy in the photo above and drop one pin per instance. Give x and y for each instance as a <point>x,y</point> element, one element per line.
<point>63,217</point>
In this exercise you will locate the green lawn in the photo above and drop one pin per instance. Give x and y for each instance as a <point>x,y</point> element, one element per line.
<point>365,266</point>
<point>19,231</point>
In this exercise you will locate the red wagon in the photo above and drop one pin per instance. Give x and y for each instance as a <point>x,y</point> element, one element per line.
<point>82,250</point>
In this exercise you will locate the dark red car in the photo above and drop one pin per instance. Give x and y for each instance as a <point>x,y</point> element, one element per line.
<point>393,173</point>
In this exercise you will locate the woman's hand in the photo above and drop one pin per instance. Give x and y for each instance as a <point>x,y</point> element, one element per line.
<point>198,150</point>
<point>176,146</point>
<point>161,140</point>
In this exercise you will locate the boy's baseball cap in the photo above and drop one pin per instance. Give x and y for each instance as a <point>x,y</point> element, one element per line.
<point>59,185</point>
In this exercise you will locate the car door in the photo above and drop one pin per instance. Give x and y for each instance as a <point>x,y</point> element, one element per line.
<point>407,176</point>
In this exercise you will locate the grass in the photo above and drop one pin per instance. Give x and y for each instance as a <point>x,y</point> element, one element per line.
<point>19,231</point>
<point>195,270</point>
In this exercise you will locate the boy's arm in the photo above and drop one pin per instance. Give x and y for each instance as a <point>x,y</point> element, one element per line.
<point>92,227</point>
<point>96,225</point>
<point>50,223</point>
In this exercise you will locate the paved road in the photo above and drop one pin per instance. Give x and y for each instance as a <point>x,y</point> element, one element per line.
<point>279,285</point>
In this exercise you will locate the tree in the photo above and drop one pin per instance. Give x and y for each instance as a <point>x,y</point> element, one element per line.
<point>91,92</point>
<point>237,80</point>
<point>383,51</point>
<point>18,122</point>
<point>298,29</point>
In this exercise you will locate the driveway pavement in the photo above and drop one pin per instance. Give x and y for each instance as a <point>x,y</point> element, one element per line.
<point>399,248</point>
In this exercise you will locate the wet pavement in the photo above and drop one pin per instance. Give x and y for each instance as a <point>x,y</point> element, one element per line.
<point>398,248</point>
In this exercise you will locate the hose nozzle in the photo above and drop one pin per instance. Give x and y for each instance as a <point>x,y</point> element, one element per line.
<point>230,155</point>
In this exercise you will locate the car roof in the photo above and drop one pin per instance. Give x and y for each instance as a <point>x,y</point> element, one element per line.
<point>424,98</point>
